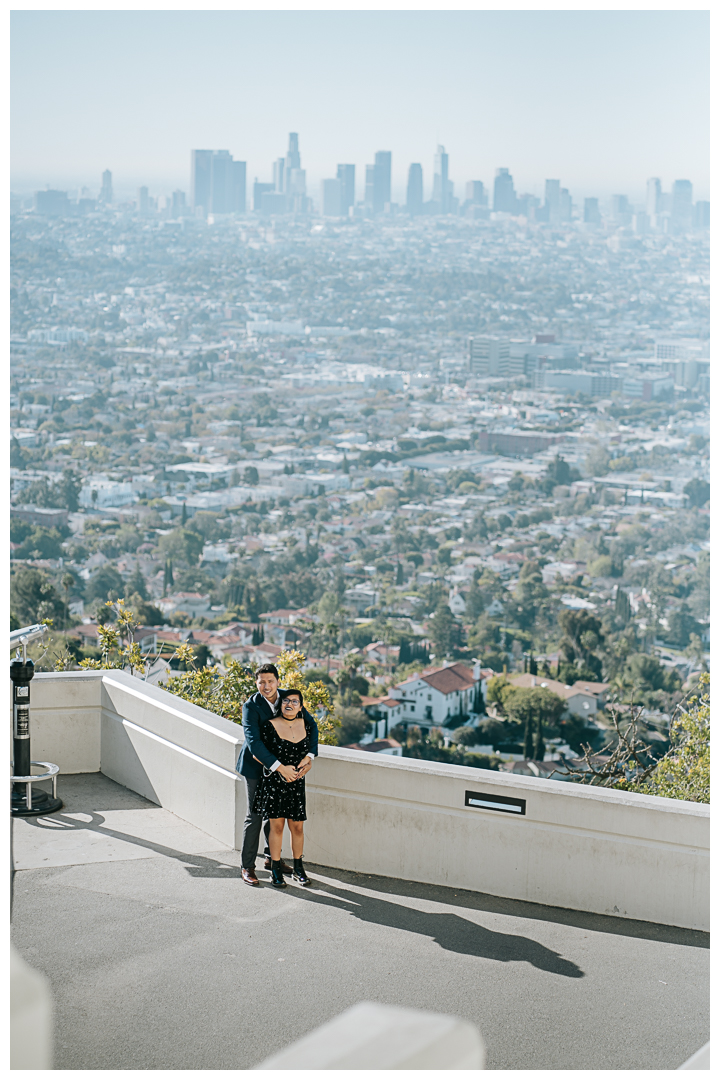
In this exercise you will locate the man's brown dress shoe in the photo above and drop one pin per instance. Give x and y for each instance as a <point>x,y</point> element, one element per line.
<point>249,876</point>
<point>283,866</point>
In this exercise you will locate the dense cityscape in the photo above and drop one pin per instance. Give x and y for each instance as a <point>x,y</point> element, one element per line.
<point>446,449</point>
<point>360,513</point>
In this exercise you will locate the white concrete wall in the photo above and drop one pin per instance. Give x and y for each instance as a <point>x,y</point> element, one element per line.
<point>588,849</point>
<point>582,848</point>
<point>148,740</point>
<point>64,719</point>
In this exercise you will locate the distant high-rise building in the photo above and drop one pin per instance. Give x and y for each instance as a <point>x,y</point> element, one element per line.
<point>295,182</point>
<point>228,184</point>
<point>52,203</point>
<point>620,209</point>
<point>369,199</point>
<point>528,206</point>
<point>143,202</point>
<point>415,189</point>
<point>381,180</point>
<point>293,155</point>
<point>239,187</point>
<point>218,182</point>
<point>641,223</point>
<point>106,191</point>
<point>489,355</point>
<point>258,191</point>
<point>346,176</point>
<point>289,178</point>
<point>332,193</point>
<point>504,198</point>
<point>653,197</point>
<point>85,202</point>
<point>702,214</point>
<point>442,192</point>
<point>565,208</point>
<point>178,203</point>
<point>201,180</point>
<point>476,200</point>
<point>273,202</point>
<point>221,183</point>
<point>279,174</point>
<point>591,212</point>
<point>682,205</point>
<point>475,193</point>
<point>552,201</point>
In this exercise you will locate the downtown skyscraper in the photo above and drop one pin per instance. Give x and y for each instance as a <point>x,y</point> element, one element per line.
<point>106,191</point>
<point>504,197</point>
<point>381,181</point>
<point>346,176</point>
<point>415,189</point>
<point>218,183</point>
<point>442,186</point>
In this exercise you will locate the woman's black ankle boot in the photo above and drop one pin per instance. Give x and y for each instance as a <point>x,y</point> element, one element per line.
<point>277,878</point>
<point>299,874</point>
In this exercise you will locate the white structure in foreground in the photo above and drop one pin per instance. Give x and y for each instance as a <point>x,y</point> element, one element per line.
<point>371,1036</point>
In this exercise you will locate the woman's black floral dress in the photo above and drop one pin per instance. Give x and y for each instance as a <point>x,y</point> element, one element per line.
<point>275,797</point>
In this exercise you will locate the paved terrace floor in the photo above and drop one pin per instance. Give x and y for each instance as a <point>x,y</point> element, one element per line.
<point>161,958</point>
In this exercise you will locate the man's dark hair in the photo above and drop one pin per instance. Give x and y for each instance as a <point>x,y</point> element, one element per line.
<point>267,669</point>
<point>293,693</point>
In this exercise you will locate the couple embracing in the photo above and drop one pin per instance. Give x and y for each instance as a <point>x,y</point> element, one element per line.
<point>281,742</point>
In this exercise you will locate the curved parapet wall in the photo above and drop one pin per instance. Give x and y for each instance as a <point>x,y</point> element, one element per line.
<point>545,841</point>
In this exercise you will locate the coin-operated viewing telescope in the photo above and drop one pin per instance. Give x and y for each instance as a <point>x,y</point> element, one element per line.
<point>24,801</point>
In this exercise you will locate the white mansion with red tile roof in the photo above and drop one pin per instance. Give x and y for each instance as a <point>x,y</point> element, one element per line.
<point>433,697</point>
<point>429,698</point>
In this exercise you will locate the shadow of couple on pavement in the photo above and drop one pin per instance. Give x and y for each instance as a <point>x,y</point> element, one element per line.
<point>450,931</point>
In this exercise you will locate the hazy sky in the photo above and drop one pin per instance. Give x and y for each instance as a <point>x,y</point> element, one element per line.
<point>601,100</point>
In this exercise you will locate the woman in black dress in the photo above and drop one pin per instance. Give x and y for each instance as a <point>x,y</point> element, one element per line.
<point>281,800</point>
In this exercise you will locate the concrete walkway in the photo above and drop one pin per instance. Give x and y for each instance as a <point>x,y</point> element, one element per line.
<point>161,958</point>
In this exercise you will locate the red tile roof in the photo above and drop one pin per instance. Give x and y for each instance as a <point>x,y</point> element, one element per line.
<point>592,687</point>
<point>391,702</point>
<point>450,678</point>
<point>527,682</point>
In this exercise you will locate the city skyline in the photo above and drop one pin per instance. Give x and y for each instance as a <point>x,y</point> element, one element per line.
<point>219,186</point>
<point>522,90</point>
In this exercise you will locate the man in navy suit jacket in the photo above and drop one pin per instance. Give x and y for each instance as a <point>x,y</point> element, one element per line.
<point>259,706</point>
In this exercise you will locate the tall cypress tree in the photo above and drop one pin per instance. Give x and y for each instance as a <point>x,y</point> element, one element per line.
<point>539,746</point>
<point>622,607</point>
<point>528,746</point>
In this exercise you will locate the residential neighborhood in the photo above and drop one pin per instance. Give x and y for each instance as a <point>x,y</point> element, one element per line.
<point>419,489</point>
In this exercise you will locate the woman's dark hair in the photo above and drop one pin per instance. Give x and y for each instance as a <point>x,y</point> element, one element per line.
<point>293,693</point>
<point>267,669</point>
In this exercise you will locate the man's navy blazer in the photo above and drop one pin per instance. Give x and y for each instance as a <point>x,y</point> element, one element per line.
<point>255,709</point>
